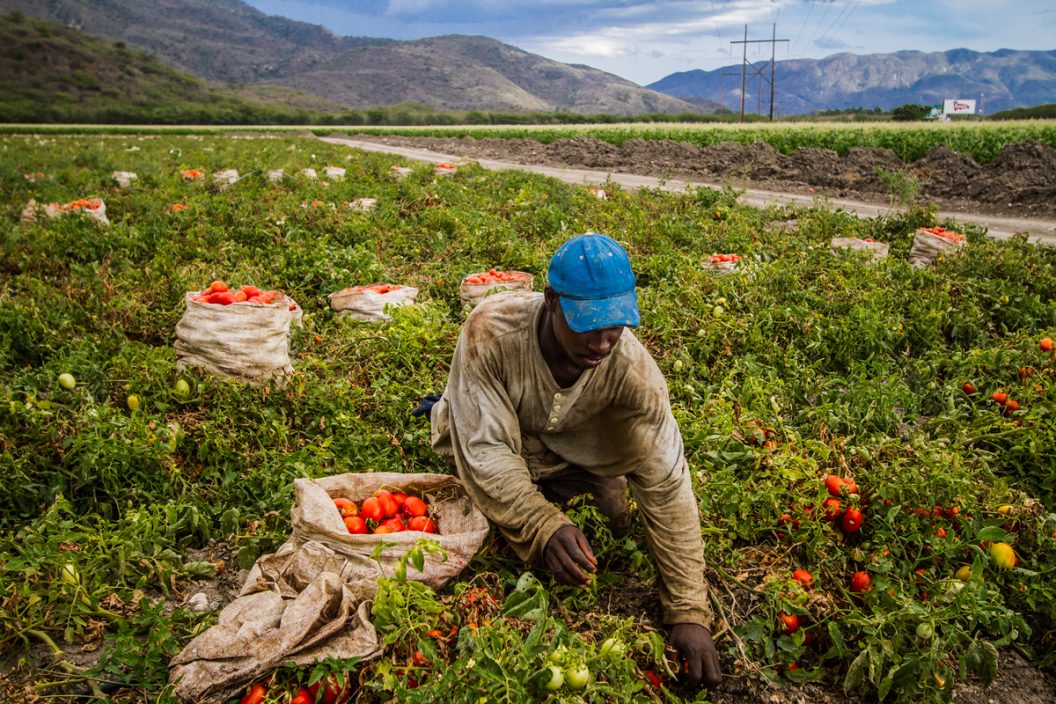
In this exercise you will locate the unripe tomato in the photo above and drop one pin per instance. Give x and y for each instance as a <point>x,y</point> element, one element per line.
<point>577,676</point>
<point>67,381</point>
<point>925,631</point>
<point>557,678</point>
<point>851,521</point>
<point>787,623</point>
<point>182,387</point>
<point>615,646</point>
<point>1003,555</point>
<point>964,573</point>
<point>133,402</point>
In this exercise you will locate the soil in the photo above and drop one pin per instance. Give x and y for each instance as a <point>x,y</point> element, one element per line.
<point>1020,181</point>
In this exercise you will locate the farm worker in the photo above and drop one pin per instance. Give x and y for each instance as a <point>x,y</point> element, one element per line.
<point>549,397</point>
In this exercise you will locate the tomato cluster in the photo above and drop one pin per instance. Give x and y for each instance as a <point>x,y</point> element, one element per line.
<point>374,288</point>
<point>724,258</point>
<point>326,691</point>
<point>850,518</point>
<point>192,174</point>
<point>944,233</point>
<point>491,276</point>
<point>78,205</point>
<point>219,294</point>
<point>386,512</point>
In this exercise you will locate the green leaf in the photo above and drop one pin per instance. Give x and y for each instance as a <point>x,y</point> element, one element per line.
<point>982,660</point>
<point>856,672</point>
<point>994,534</point>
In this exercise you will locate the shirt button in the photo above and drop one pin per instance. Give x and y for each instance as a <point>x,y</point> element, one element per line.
<point>557,397</point>
<point>552,421</point>
<point>557,408</point>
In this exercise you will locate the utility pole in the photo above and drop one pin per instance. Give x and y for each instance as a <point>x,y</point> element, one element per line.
<point>758,71</point>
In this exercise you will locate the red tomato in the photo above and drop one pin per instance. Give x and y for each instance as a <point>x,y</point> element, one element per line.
<point>421,523</point>
<point>255,695</point>
<point>355,525</point>
<point>303,696</point>
<point>400,498</point>
<point>803,577</point>
<point>834,484</point>
<point>860,582</point>
<point>250,291</point>
<point>370,509</point>
<point>851,521</point>
<point>218,286</point>
<point>224,298</point>
<point>968,388</point>
<point>832,508</point>
<point>239,297</point>
<point>387,503</point>
<point>654,679</point>
<point>1047,344</point>
<point>787,623</point>
<point>999,396</point>
<point>347,507</point>
<point>335,693</point>
<point>394,525</point>
<point>414,506</point>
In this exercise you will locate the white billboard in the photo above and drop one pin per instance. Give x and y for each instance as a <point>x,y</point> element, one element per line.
<point>958,107</point>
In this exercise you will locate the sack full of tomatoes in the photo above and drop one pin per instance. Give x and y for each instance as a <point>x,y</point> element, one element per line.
<point>879,250</point>
<point>353,513</point>
<point>931,242</point>
<point>372,303</point>
<point>240,333</point>
<point>476,287</point>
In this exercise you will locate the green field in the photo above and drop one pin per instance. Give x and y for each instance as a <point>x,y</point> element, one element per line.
<point>803,363</point>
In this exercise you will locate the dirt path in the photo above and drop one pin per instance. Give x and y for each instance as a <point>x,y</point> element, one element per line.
<point>1038,229</point>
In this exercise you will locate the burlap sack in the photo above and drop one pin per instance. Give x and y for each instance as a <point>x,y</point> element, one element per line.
<point>94,208</point>
<point>244,341</point>
<point>225,178</point>
<point>363,205</point>
<point>334,173</point>
<point>312,614</point>
<point>309,174</point>
<point>879,249</point>
<point>400,172</point>
<point>124,178</point>
<point>460,524</point>
<point>445,169</point>
<point>360,303</point>
<point>472,294</point>
<point>276,175</point>
<point>927,247</point>
<point>721,268</point>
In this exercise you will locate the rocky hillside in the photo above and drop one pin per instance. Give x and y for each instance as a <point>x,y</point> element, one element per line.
<point>228,41</point>
<point>999,80</point>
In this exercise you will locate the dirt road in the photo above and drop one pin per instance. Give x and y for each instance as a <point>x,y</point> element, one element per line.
<point>1041,230</point>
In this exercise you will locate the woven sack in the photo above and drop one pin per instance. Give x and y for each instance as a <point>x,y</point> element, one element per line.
<point>400,172</point>
<point>124,178</point>
<point>225,178</point>
<point>879,249</point>
<point>461,527</point>
<point>308,614</point>
<point>721,268</point>
<point>275,175</point>
<point>334,173</point>
<point>360,303</point>
<point>309,174</point>
<point>927,247</point>
<point>472,294</point>
<point>97,210</point>
<point>244,341</point>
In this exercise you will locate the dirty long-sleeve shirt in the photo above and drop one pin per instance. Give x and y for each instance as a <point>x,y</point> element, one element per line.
<point>506,422</point>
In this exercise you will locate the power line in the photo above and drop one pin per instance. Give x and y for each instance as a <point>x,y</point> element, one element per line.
<point>745,63</point>
<point>821,21</point>
<point>806,19</point>
<point>828,34</point>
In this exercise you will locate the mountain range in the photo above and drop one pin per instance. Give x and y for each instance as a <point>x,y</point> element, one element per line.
<point>230,42</point>
<point>246,52</point>
<point>997,80</point>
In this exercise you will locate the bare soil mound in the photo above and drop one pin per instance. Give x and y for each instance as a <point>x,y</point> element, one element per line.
<point>1020,181</point>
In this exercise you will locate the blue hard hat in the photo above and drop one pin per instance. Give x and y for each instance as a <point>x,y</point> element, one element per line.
<point>592,275</point>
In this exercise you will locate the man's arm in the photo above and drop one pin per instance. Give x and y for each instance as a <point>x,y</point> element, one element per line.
<point>486,443</point>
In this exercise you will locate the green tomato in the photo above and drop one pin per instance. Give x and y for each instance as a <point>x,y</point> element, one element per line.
<point>67,381</point>
<point>925,631</point>
<point>717,312</point>
<point>614,646</point>
<point>182,387</point>
<point>720,301</point>
<point>577,676</point>
<point>557,678</point>
<point>69,574</point>
<point>678,365</point>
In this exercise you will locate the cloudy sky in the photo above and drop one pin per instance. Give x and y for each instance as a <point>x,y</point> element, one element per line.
<point>645,40</point>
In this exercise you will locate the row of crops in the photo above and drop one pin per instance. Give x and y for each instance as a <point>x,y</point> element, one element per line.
<point>983,141</point>
<point>802,363</point>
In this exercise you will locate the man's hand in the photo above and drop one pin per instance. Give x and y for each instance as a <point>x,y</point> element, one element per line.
<point>569,557</point>
<point>694,645</point>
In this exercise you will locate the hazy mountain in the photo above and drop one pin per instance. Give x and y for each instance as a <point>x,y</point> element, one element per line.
<point>998,80</point>
<point>228,41</point>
